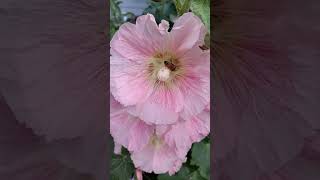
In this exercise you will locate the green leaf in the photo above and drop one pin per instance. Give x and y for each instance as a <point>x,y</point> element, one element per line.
<point>196,176</point>
<point>201,157</point>
<point>202,9</point>
<point>122,167</point>
<point>182,6</point>
<point>167,177</point>
<point>184,171</point>
<point>164,9</point>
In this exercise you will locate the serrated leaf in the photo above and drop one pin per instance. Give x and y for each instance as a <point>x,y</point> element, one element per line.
<point>196,176</point>
<point>122,167</point>
<point>201,157</point>
<point>202,9</point>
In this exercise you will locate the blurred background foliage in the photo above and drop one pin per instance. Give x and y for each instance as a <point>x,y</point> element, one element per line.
<point>197,166</point>
<point>117,17</point>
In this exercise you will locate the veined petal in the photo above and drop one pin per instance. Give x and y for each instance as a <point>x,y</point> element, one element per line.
<point>188,30</point>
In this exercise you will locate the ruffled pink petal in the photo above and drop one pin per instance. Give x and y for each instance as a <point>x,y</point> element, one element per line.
<point>195,84</point>
<point>188,31</point>
<point>127,130</point>
<point>157,159</point>
<point>197,96</point>
<point>128,81</point>
<point>137,41</point>
<point>149,31</point>
<point>162,129</point>
<point>127,43</point>
<point>164,27</point>
<point>139,135</point>
<point>171,98</point>
<point>183,134</point>
<point>154,113</point>
<point>176,167</point>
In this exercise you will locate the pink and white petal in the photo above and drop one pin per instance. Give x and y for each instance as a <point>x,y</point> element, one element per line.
<point>197,94</point>
<point>161,129</point>
<point>184,133</point>
<point>195,84</point>
<point>132,110</point>
<point>205,118</point>
<point>117,125</point>
<point>188,31</point>
<point>171,98</point>
<point>117,148</point>
<point>127,130</point>
<point>139,135</point>
<point>164,27</point>
<point>128,44</point>
<point>130,133</point>
<point>153,113</point>
<point>128,81</point>
<point>156,159</point>
<point>149,32</point>
<point>178,138</point>
<point>198,59</point>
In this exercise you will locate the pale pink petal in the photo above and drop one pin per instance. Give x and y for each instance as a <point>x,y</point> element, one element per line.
<point>139,174</point>
<point>184,133</point>
<point>156,159</point>
<point>127,43</point>
<point>176,167</point>
<point>117,148</point>
<point>127,130</point>
<point>139,135</point>
<point>197,97</point>
<point>161,129</point>
<point>149,31</point>
<point>162,106</point>
<point>128,81</point>
<point>153,113</point>
<point>195,84</point>
<point>171,98</point>
<point>137,41</point>
<point>187,32</point>
<point>205,118</point>
<point>164,27</point>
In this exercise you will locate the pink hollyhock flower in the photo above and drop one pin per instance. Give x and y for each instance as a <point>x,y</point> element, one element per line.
<point>162,76</point>
<point>156,148</point>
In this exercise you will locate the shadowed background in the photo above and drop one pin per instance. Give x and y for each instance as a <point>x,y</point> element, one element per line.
<point>53,88</point>
<point>265,90</point>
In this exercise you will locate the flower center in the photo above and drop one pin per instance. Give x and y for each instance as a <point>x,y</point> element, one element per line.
<point>164,68</point>
<point>155,141</point>
<point>163,74</point>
